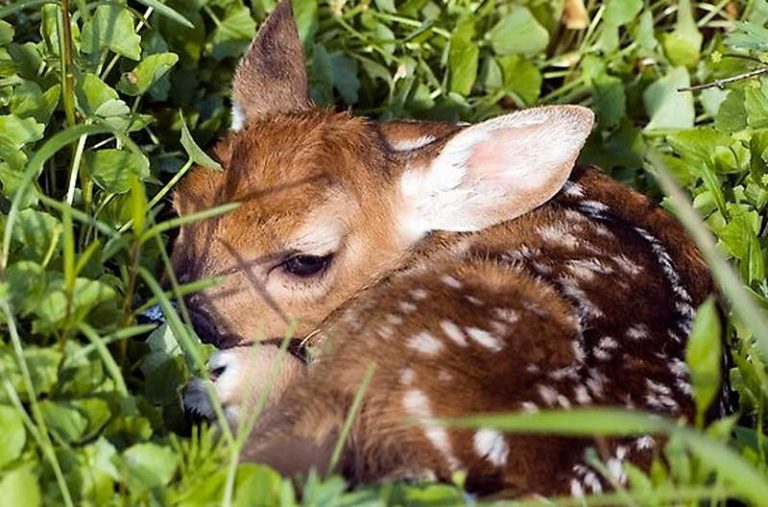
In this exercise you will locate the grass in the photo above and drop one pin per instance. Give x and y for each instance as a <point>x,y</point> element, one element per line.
<point>103,107</point>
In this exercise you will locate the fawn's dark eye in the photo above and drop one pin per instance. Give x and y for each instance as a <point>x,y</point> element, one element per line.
<point>305,266</point>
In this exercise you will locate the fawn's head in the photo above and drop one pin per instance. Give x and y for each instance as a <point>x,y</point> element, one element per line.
<point>327,205</point>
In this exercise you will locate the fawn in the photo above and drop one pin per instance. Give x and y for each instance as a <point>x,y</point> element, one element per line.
<point>474,266</point>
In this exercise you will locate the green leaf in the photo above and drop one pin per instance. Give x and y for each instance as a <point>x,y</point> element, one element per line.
<point>732,115</point>
<point>196,154</point>
<point>344,76</point>
<point>64,420</point>
<point>111,27</point>
<point>6,32</point>
<point>13,437</point>
<point>20,487</point>
<point>518,32</point>
<point>462,62</point>
<point>621,12</point>
<point>28,100</point>
<point>91,93</point>
<point>20,131</point>
<point>609,100</point>
<point>149,466</point>
<point>34,233</point>
<point>232,34</point>
<point>748,35</point>
<point>703,355</point>
<point>146,73</point>
<point>668,108</point>
<point>112,169</point>
<point>683,45</point>
<point>756,106</point>
<point>520,77</point>
<point>86,295</point>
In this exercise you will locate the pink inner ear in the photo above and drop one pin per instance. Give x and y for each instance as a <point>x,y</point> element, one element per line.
<point>493,159</point>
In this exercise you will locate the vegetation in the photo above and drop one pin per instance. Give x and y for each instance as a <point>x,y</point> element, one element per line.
<point>95,100</point>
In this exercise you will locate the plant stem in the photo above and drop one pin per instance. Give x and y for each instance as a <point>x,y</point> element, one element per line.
<point>67,77</point>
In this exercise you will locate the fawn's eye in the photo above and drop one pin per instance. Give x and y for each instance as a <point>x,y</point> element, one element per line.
<point>304,266</point>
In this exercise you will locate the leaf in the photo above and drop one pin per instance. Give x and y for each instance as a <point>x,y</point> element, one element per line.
<point>621,12</point>
<point>146,73</point>
<point>609,100</point>
<point>520,77</point>
<point>13,437</point>
<point>462,61</point>
<point>232,34</point>
<point>668,108</point>
<point>344,76</point>
<point>6,32</point>
<point>683,45</point>
<point>703,355</point>
<point>149,466</point>
<point>19,131</point>
<point>196,154</point>
<point>28,100</point>
<point>518,32</point>
<point>748,35</point>
<point>756,106</point>
<point>112,27</point>
<point>34,233</point>
<point>86,295</point>
<point>112,169</point>
<point>20,487</point>
<point>63,419</point>
<point>732,115</point>
<point>91,93</point>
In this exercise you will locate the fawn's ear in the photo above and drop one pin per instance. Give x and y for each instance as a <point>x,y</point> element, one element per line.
<point>271,77</point>
<point>495,171</point>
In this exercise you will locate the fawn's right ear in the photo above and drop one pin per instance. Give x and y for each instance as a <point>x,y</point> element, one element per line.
<point>271,77</point>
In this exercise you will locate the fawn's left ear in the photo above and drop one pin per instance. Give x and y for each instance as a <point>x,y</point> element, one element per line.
<point>271,77</point>
<point>495,171</point>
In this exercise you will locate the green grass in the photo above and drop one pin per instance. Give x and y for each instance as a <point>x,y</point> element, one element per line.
<point>100,120</point>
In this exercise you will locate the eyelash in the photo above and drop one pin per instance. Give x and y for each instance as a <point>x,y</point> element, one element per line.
<point>306,266</point>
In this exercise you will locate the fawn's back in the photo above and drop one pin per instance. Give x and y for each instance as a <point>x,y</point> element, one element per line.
<point>461,262</point>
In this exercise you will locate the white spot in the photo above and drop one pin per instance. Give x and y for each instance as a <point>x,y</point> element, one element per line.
<point>570,372</point>
<point>407,375</point>
<point>412,143</point>
<point>499,327</point>
<point>451,281</point>
<point>419,294</point>
<point>444,376</point>
<point>407,307</point>
<point>572,189</point>
<point>616,469</point>
<point>506,314</point>
<point>238,116</point>
<point>394,320</point>
<point>529,407</point>
<point>453,332</point>
<point>637,332</point>
<point>587,268</point>
<point>666,264</point>
<point>485,339</point>
<point>491,445</point>
<point>645,443</point>
<point>582,395</point>
<point>577,490</point>
<point>558,235</point>
<point>594,209</point>
<point>386,332</point>
<point>475,301</point>
<point>425,343</point>
<point>625,264</point>
<point>586,307</point>
<point>416,405</point>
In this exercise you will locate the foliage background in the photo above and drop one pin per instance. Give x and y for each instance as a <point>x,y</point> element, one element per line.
<point>103,105</point>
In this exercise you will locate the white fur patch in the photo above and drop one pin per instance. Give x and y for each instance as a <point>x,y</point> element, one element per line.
<point>485,339</point>
<point>425,343</point>
<point>491,445</point>
<point>417,405</point>
<point>238,117</point>
<point>453,332</point>
<point>412,143</point>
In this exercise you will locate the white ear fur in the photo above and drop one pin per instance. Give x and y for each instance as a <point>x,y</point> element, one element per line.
<point>238,117</point>
<point>495,171</point>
